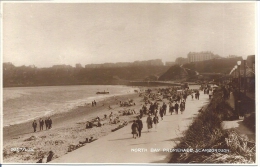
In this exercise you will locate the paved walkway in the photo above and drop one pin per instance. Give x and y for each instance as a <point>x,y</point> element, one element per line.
<point>120,147</point>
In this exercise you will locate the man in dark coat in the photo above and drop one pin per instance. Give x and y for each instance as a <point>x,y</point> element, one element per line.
<point>140,126</point>
<point>34,125</point>
<point>50,123</point>
<point>41,122</point>
<point>176,107</point>
<point>47,123</point>
<point>164,108</point>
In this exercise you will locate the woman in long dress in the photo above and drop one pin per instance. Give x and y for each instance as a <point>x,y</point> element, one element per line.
<point>149,122</point>
<point>134,129</point>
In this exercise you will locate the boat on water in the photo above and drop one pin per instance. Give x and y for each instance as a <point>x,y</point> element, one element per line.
<point>102,92</point>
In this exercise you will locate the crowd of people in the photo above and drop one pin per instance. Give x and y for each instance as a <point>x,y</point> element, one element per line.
<point>156,104</point>
<point>47,122</point>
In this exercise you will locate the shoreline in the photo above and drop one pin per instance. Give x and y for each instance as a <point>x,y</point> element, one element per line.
<point>19,128</point>
<point>68,129</point>
<point>77,103</point>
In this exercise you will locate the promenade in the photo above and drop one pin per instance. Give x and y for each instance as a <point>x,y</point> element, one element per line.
<point>152,147</point>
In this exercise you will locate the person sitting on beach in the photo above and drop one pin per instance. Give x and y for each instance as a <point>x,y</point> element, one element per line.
<point>89,125</point>
<point>99,124</point>
<point>97,119</point>
<point>111,117</point>
<point>116,120</point>
<point>105,116</point>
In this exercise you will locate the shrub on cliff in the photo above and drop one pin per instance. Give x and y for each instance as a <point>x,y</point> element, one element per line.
<point>207,133</point>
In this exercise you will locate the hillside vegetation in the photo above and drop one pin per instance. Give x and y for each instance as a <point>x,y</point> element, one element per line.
<point>191,71</point>
<point>28,76</point>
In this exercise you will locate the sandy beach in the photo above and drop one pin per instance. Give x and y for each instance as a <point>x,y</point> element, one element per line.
<point>68,129</point>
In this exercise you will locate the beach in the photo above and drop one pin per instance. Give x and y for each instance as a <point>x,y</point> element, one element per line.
<point>68,129</point>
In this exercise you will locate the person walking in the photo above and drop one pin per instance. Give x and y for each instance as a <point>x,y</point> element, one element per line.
<point>134,128</point>
<point>198,95</point>
<point>182,107</point>
<point>155,121</point>
<point>140,126</point>
<point>34,125</point>
<point>171,108</point>
<point>50,123</point>
<point>47,123</point>
<point>176,107</point>
<point>41,122</point>
<point>149,122</point>
<point>161,113</point>
<point>164,108</point>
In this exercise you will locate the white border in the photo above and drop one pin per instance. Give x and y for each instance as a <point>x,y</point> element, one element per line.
<point>257,6</point>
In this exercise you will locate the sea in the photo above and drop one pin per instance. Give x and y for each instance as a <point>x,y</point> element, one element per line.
<point>22,104</point>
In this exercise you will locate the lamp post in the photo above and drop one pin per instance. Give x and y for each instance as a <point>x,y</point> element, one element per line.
<point>239,102</point>
<point>239,79</point>
<point>245,81</point>
<point>235,72</point>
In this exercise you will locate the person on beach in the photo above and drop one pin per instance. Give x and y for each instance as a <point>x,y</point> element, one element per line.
<point>95,103</point>
<point>164,106</point>
<point>192,96</point>
<point>141,113</point>
<point>89,125</point>
<point>50,123</point>
<point>140,126</point>
<point>210,94</point>
<point>198,95</point>
<point>161,113</point>
<point>155,121</point>
<point>41,122</point>
<point>111,117</point>
<point>182,107</point>
<point>149,122</point>
<point>176,107</point>
<point>134,128</point>
<point>34,125</point>
<point>171,108</point>
<point>46,123</point>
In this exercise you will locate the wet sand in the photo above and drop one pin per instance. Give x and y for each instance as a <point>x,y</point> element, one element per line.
<point>68,129</point>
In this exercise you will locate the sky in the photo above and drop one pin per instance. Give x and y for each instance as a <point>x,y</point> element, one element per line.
<point>46,34</point>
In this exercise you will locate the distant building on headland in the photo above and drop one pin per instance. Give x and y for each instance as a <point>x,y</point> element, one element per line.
<point>181,60</point>
<point>201,56</point>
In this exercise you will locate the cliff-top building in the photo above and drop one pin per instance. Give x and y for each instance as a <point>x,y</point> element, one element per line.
<point>201,56</point>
